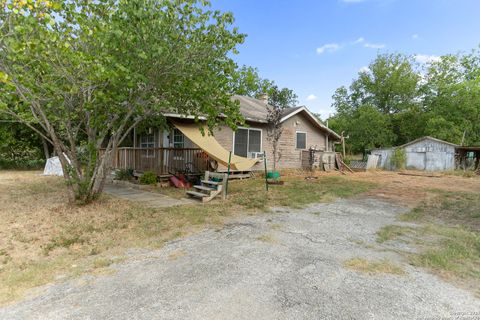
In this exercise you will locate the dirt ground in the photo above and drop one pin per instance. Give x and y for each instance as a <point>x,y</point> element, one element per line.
<point>290,264</point>
<point>410,190</point>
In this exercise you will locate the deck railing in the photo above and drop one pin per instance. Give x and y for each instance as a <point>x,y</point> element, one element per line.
<point>162,161</point>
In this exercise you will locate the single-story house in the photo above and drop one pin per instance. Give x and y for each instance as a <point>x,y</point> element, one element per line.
<point>425,153</point>
<point>164,151</point>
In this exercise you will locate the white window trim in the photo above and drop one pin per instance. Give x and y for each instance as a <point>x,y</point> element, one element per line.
<point>248,140</point>
<point>306,137</point>
<point>173,138</point>
<point>144,143</point>
<point>148,153</point>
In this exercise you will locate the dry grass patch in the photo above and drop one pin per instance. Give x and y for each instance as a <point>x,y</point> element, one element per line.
<point>43,237</point>
<point>176,254</point>
<point>373,267</point>
<point>267,238</point>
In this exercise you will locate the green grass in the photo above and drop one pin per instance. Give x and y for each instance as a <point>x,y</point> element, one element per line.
<point>448,236</point>
<point>414,215</point>
<point>451,249</point>
<point>450,208</point>
<point>295,193</point>
<point>391,232</point>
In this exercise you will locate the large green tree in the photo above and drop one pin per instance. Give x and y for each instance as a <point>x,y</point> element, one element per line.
<point>377,104</point>
<point>247,82</point>
<point>82,74</point>
<point>407,100</point>
<point>452,98</point>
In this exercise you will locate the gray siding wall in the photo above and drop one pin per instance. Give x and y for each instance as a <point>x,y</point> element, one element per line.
<point>427,154</point>
<point>385,155</point>
<point>430,155</point>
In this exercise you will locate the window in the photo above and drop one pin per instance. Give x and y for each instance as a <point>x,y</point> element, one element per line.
<point>147,141</point>
<point>247,142</point>
<point>178,139</point>
<point>301,140</point>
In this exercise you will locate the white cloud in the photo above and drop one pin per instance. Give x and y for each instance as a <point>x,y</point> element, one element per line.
<point>374,45</point>
<point>359,40</point>
<point>364,69</point>
<point>415,36</point>
<point>311,97</point>
<point>424,58</point>
<point>329,47</point>
<point>332,47</point>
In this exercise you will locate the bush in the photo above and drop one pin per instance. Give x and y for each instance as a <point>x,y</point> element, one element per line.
<point>22,164</point>
<point>398,159</point>
<point>124,174</point>
<point>148,177</point>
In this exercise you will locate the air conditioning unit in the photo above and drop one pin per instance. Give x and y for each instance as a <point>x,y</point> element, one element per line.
<point>255,155</point>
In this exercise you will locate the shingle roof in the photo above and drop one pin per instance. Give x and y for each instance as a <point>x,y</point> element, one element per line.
<point>255,110</point>
<point>252,109</point>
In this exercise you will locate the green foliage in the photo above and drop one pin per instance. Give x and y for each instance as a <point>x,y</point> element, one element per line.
<point>148,177</point>
<point>22,164</point>
<point>20,147</point>
<point>398,159</point>
<point>367,127</point>
<point>124,174</point>
<point>401,107</point>
<point>246,81</point>
<point>84,73</point>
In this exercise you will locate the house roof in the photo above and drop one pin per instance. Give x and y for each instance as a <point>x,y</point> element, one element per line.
<point>426,138</point>
<point>255,110</point>
<point>252,109</point>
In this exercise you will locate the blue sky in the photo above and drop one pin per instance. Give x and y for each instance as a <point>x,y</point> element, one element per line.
<point>315,46</point>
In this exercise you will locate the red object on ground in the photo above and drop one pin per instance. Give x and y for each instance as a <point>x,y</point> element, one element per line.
<point>177,182</point>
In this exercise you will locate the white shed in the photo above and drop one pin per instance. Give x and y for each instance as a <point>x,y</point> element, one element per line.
<point>426,153</point>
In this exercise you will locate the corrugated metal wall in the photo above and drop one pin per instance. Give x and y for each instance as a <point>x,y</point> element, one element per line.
<point>427,154</point>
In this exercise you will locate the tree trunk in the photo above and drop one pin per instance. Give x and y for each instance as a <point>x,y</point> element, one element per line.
<point>274,147</point>
<point>46,152</point>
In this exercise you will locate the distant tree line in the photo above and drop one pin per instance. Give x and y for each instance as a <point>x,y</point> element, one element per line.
<point>398,99</point>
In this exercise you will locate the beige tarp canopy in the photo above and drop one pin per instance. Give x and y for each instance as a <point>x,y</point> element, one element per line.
<point>211,146</point>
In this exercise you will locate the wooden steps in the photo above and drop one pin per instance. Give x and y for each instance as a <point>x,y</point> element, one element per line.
<point>197,194</point>
<point>205,188</point>
<point>211,182</point>
<point>210,189</point>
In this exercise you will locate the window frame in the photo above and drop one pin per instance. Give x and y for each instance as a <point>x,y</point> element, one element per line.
<point>296,140</point>
<point>179,134</point>
<point>147,148</point>
<point>143,144</point>
<point>248,139</point>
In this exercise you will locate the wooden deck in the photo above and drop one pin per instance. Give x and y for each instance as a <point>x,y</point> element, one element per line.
<point>162,161</point>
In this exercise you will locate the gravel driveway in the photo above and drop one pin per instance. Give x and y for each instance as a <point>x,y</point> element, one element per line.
<point>283,265</point>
